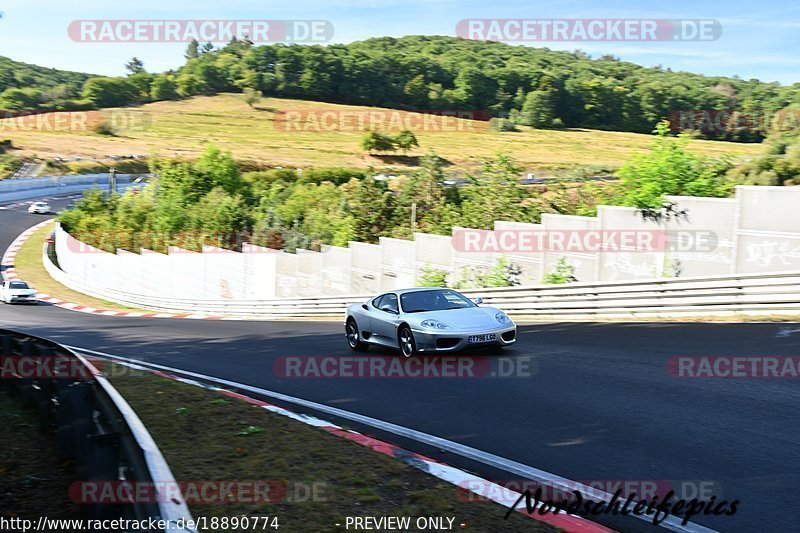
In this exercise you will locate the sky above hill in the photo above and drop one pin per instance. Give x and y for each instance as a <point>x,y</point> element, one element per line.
<point>757,40</point>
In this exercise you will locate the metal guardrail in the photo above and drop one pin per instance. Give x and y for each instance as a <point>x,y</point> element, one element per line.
<point>96,426</point>
<point>697,296</point>
<point>55,182</point>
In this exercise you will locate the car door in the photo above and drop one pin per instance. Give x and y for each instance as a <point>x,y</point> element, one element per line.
<point>384,318</point>
<point>370,314</point>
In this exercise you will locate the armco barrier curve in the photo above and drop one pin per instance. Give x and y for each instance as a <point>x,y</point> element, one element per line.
<point>37,188</point>
<point>742,294</point>
<point>96,426</point>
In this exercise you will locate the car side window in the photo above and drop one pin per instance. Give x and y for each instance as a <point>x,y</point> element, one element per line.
<point>389,304</point>
<point>376,303</point>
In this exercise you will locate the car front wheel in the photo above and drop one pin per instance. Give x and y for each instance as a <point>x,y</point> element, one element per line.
<point>406,340</point>
<point>353,338</point>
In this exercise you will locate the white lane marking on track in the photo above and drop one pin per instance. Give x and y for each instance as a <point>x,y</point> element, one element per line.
<point>672,523</point>
<point>786,331</point>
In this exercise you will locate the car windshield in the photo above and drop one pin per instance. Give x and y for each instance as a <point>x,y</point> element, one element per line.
<point>434,300</point>
<point>18,285</point>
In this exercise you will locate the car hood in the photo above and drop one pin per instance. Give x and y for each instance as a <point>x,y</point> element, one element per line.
<point>464,319</point>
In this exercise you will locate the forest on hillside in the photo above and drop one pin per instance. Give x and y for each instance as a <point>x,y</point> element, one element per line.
<point>528,86</point>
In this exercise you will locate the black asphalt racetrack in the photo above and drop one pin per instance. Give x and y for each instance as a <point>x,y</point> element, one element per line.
<point>599,406</point>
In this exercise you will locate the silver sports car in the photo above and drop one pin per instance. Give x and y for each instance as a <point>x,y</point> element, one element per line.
<point>426,320</point>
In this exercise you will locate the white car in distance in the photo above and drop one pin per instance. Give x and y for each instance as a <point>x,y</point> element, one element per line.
<point>40,208</point>
<point>17,292</point>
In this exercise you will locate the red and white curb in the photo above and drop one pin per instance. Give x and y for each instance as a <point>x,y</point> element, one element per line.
<point>461,479</point>
<point>16,204</point>
<point>10,273</point>
<point>10,255</point>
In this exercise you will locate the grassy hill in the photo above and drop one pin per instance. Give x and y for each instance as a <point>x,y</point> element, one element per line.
<point>181,128</point>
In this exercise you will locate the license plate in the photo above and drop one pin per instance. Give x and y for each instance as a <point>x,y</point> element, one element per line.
<point>482,338</point>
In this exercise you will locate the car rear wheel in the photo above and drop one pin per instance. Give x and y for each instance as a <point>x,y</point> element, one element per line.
<point>406,340</point>
<point>353,338</point>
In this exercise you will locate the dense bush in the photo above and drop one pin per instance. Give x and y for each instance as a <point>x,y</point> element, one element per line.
<point>210,201</point>
<point>502,124</point>
<point>668,169</point>
<point>780,165</point>
<point>215,203</point>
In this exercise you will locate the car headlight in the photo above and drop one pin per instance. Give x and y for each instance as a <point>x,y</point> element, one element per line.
<point>434,324</point>
<point>502,318</point>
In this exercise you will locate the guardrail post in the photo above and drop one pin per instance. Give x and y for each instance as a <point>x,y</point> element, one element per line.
<point>81,409</point>
<point>25,385</point>
<point>43,388</point>
<point>5,352</point>
<point>104,468</point>
<point>74,413</point>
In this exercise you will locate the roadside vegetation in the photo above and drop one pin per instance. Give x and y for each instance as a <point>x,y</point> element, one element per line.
<point>212,201</point>
<point>205,435</point>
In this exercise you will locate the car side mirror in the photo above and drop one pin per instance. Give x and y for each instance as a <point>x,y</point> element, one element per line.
<point>365,307</point>
<point>478,300</point>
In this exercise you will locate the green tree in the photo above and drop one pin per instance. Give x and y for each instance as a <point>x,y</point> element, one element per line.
<point>192,50</point>
<point>500,124</point>
<point>220,170</point>
<point>19,99</point>
<point>422,193</point>
<point>218,218</point>
<point>494,195</point>
<point>251,96</point>
<point>416,91</point>
<point>163,88</point>
<point>373,141</point>
<point>669,169</point>
<point>109,92</point>
<point>538,110</point>
<point>371,205</point>
<point>135,66</point>
<point>405,140</point>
